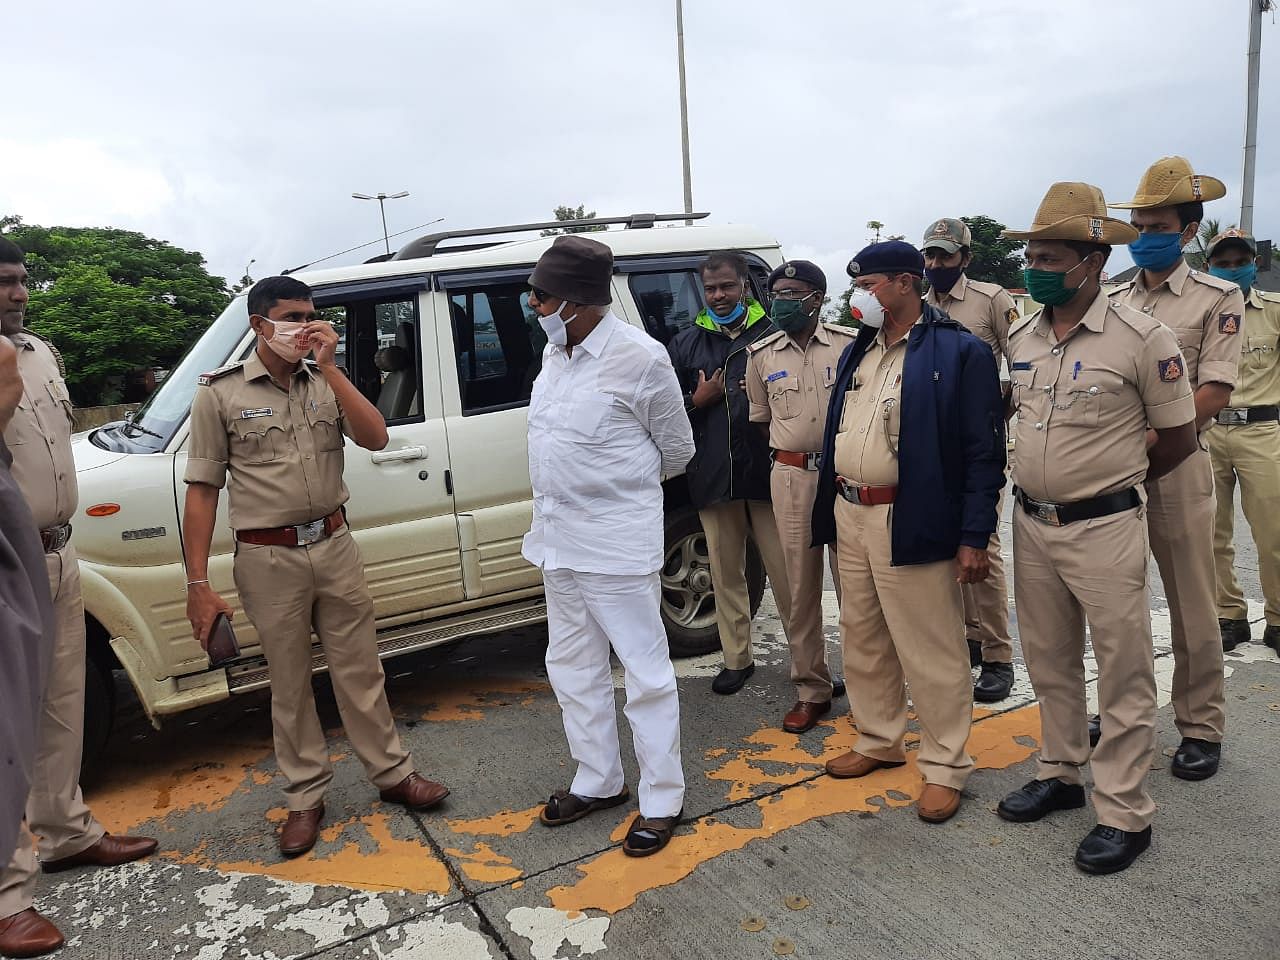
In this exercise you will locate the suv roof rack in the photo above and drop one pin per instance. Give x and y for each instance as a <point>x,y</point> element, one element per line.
<point>425,246</point>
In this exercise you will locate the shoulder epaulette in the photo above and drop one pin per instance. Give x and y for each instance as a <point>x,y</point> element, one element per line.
<point>988,290</point>
<point>1209,280</point>
<point>1023,324</point>
<point>57,354</point>
<point>839,328</point>
<point>1142,323</point>
<point>759,344</point>
<point>207,378</point>
<point>1270,296</point>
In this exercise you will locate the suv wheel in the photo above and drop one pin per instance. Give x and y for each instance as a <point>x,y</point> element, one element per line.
<point>688,595</point>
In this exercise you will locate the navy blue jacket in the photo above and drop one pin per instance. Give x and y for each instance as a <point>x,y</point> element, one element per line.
<point>951,448</point>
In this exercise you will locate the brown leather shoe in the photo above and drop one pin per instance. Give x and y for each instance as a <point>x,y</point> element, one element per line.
<point>108,852</point>
<point>300,831</point>
<point>937,803</point>
<point>853,764</point>
<point>27,934</point>
<point>416,792</point>
<point>804,715</point>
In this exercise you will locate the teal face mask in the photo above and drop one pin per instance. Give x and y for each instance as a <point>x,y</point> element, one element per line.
<point>1048,287</point>
<point>1243,276</point>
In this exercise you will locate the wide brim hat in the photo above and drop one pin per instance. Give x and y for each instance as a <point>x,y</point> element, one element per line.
<point>1075,211</point>
<point>575,269</point>
<point>1171,181</point>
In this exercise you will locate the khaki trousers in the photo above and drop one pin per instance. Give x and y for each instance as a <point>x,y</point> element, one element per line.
<point>56,811</point>
<point>986,604</point>
<point>1180,510</point>
<point>727,526</point>
<point>793,490</point>
<point>1250,454</point>
<point>1092,571</point>
<point>903,624</point>
<point>286,592</point>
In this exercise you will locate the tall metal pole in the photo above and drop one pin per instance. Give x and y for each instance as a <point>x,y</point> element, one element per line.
<point>382,208</point>
<point>1256,7</point>
<point>684,112</point>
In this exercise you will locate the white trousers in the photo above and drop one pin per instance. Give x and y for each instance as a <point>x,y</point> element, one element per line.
<point>586,614</point>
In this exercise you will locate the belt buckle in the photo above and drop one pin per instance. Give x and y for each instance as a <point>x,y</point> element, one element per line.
<point>1233,416</point>
<point>813,461</point>
<point>1046,513</point>
<point>309,533</point>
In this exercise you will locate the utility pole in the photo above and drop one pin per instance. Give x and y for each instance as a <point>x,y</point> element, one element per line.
<point>684,112</point>
<point>1256,9</point>
<point>382,198</point>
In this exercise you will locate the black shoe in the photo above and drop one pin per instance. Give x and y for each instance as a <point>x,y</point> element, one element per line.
<point>994,683</point>
<point>1095,731</point>
<point>731,681</point>
<point>837,687</point>
<point>1271,637</point>
<point>1234,633</point>
<point>1110,849</point>
<point>975,653</point>
<point>1196,759</point>
<point>1039,798</point>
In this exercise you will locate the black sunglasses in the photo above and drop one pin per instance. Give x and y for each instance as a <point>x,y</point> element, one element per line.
<point>540,295</point>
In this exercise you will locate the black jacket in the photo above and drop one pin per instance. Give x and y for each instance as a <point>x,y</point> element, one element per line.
<point>731,456</point>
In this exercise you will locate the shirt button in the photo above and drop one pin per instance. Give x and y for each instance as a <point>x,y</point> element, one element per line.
<point>1093,390</point>
<point>1039,426</point>
<point>1056,350</point>
<point>1046,389</point>
<point>1146,309</point>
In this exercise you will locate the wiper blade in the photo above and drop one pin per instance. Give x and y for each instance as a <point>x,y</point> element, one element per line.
<point>140,428</point>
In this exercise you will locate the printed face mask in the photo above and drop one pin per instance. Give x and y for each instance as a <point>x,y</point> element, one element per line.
<point>866,307</point>
<point>284,341</point>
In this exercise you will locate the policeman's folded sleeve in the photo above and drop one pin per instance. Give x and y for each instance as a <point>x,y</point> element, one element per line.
<point>760,413</point>
<point>212,472</point>
<point>1217,371</point>
<point>1164,416</point>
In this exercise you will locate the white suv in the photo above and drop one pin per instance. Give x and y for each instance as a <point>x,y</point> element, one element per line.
<point>442,339</point>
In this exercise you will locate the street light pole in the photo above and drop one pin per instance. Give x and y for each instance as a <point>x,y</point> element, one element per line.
<point>684,112</point>
<point>382,198</point>
<point>1256,9</point>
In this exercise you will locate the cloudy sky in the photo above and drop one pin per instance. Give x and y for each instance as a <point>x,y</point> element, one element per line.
<point>240,129</point>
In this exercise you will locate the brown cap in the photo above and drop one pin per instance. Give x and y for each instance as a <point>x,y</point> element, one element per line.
<point>1075,211</point>
<point>1228,237</point>
<point>947,234</point>
<point>575,269</point>
<point>1170,181</point>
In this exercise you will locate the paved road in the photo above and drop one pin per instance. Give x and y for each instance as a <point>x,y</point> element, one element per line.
<point>777,856</point>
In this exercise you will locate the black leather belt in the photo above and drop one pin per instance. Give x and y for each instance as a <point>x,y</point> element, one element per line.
<point>1059,514</point>
<point>55,538</point>
<point>1234,416</point>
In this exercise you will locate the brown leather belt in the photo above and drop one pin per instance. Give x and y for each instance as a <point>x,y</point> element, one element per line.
<point>805,461</point>
<point>299,536</point>
<point>55,538</point>
<point>865,495</point>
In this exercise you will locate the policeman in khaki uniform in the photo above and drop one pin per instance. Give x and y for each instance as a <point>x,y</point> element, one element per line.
<point>39,439</point>
<point>1089,375</point>
<point>789,377</point>
<point>1205,313</point>
<point>1244,445</point>
<point>987,311</point>
<point>276,424</point>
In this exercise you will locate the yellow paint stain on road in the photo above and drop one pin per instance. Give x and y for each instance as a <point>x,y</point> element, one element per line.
<point>612,881</point>
<point>459,704</point>
<point>502,824</point>
<point>770,745</point>
<point>484,865</point>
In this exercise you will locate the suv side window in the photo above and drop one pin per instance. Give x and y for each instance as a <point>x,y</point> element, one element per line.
<point>669,301</point>
<point>498,344</point>
<point>380,350</point>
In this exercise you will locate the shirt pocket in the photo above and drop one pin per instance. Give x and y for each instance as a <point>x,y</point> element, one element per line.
<point>326,424</point>
<point>1026,399</point>
<point>60,397</point>
<point>1258,352</point>
<point>1082,400</point>
<point>258,439</point>
<point>785,399</point>
<point>588,416</point>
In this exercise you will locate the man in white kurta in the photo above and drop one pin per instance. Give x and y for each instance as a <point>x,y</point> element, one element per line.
<point>606,422</point>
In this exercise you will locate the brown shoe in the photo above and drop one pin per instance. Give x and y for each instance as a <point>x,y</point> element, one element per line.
<point>416,792</point>
<point>27,934</point>
<point>300,831</point>
<point>804,715</point>
<point>853,764</point>
<point>937,803</point>
<point>108,852</point>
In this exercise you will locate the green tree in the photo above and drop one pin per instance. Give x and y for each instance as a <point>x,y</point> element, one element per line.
<point>114,301</point>
<point>996,259</point>
<point>573,213</point>
<point>1197,250</point>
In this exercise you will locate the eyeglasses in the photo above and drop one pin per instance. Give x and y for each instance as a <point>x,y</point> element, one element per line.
<point>793,295</point>
<point>540,295</point>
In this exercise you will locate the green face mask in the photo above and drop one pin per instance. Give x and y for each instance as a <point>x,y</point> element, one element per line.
<point>1048,287</point>
<point>790,316</point>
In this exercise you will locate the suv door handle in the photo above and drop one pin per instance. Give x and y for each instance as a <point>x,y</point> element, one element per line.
<point>401,453</point>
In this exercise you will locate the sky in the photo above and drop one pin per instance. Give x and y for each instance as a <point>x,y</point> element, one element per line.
<point>240,129</point>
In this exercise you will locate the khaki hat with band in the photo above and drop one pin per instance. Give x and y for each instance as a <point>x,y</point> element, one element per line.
<point>1233,236</point>
<point>947,234</point>
<point>1170,181</point>
<point>1075,211</point>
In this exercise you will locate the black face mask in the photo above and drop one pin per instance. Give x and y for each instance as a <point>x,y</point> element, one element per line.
<point>943,279</point>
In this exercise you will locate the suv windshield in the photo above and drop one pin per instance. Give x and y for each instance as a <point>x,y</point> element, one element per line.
<point>151,428</point>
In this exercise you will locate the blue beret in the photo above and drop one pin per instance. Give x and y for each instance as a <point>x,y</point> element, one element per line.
<point>891,256</point>
<point>803,270</point>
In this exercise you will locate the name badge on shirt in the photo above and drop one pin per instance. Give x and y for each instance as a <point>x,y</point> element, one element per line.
<point>775,376</point>
<point>259,412</point>
<point>1021,365</point>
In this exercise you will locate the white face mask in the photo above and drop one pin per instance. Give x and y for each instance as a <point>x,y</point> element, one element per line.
<point>285,340</point>
<point>869,309</point>
<point>554,327</point>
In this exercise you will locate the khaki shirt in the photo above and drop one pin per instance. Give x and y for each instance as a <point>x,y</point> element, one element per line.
<point>1084,403</point>
<point>282,448</point>
<point>790,388</point>
<point>1204,312</point>
<point>867,440</point>
<point>39,436</point>
<point>984,309</point>
<point>1259,380</point>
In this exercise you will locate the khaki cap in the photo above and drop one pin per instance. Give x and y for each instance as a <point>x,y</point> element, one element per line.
<point>1170,181</point>
<point>1234,235</point>
<point>948,234</point>
<point>1075,211</point>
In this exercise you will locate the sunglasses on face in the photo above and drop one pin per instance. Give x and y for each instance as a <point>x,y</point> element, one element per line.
<point>540,295</point>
